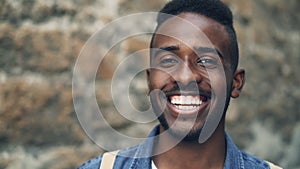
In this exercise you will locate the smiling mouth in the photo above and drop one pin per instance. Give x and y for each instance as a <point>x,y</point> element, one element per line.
<point>187,104</point>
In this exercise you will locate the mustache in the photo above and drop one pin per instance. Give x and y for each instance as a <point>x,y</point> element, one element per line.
<point>191,88</point>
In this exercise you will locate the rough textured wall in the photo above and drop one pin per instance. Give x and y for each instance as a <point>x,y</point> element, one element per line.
<point>40,41</point>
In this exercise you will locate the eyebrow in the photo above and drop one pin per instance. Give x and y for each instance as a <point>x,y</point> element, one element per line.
<point>166,48</point>
<point>209,50</point>
<point>198,49</point>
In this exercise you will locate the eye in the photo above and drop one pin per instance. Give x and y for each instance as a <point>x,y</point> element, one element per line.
<point>207,62</point>
<point>168,61</point>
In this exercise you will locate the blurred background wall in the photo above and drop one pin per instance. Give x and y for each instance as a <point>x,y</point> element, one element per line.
<point>40,41</point>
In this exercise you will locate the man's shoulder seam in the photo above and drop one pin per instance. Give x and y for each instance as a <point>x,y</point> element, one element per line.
<point>254,160</point>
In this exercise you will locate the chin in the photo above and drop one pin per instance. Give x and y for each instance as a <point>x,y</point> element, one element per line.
<point>183,132</point>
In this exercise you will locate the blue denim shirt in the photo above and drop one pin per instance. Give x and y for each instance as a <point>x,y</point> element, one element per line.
<point>235,158</point>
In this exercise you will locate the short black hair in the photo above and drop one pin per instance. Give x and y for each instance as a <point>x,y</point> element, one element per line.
<point>214,9</point>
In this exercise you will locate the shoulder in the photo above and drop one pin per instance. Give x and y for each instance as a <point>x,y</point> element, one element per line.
<point>131,156</point>
<point>236,157</point>
<point>120,158</point>
<point>92,164</point>
<point>251,161</point>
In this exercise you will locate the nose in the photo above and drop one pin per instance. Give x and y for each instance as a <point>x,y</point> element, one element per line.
<point>186,75</point>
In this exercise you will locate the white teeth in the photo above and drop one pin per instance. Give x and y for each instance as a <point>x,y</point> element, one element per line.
<point>186,100</point>
<point>193,101</point>
<point>180,107</point>
<point>189,100</point>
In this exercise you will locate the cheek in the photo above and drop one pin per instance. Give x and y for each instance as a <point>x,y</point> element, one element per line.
<point>158,79</point>
<point>229,80</point>
<point>218,82</point>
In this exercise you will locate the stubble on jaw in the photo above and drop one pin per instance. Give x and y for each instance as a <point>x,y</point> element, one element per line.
<point>191,135</point>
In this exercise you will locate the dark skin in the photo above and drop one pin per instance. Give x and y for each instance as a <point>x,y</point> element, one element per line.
<point>199,58</point>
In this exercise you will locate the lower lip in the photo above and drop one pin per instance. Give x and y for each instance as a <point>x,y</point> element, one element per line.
<point>190,112</point>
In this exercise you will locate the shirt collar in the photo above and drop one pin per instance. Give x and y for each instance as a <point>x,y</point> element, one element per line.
<point>233,157</point>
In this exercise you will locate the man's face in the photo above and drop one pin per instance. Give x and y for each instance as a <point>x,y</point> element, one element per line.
<point>191,67</point>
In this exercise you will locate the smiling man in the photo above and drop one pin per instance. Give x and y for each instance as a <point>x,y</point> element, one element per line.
<point>192,76</point>
<point>192,67</point>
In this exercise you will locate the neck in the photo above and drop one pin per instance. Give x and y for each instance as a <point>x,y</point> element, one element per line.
<point>191,154</point>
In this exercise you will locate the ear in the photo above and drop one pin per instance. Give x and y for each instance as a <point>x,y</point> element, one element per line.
<point>148,80</point>
<point>238,83</point>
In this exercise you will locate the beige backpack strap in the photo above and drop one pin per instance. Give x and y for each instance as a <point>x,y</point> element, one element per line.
<point>108,160</point>
<point>273,166</point>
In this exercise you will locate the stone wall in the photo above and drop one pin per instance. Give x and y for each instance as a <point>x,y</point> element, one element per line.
<point>41,40</point>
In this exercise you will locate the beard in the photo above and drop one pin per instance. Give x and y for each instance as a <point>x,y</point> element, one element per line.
<point>182,134</point>
<point>187,133</point>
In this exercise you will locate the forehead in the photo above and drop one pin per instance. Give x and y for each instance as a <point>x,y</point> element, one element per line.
<point>193,30</point>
